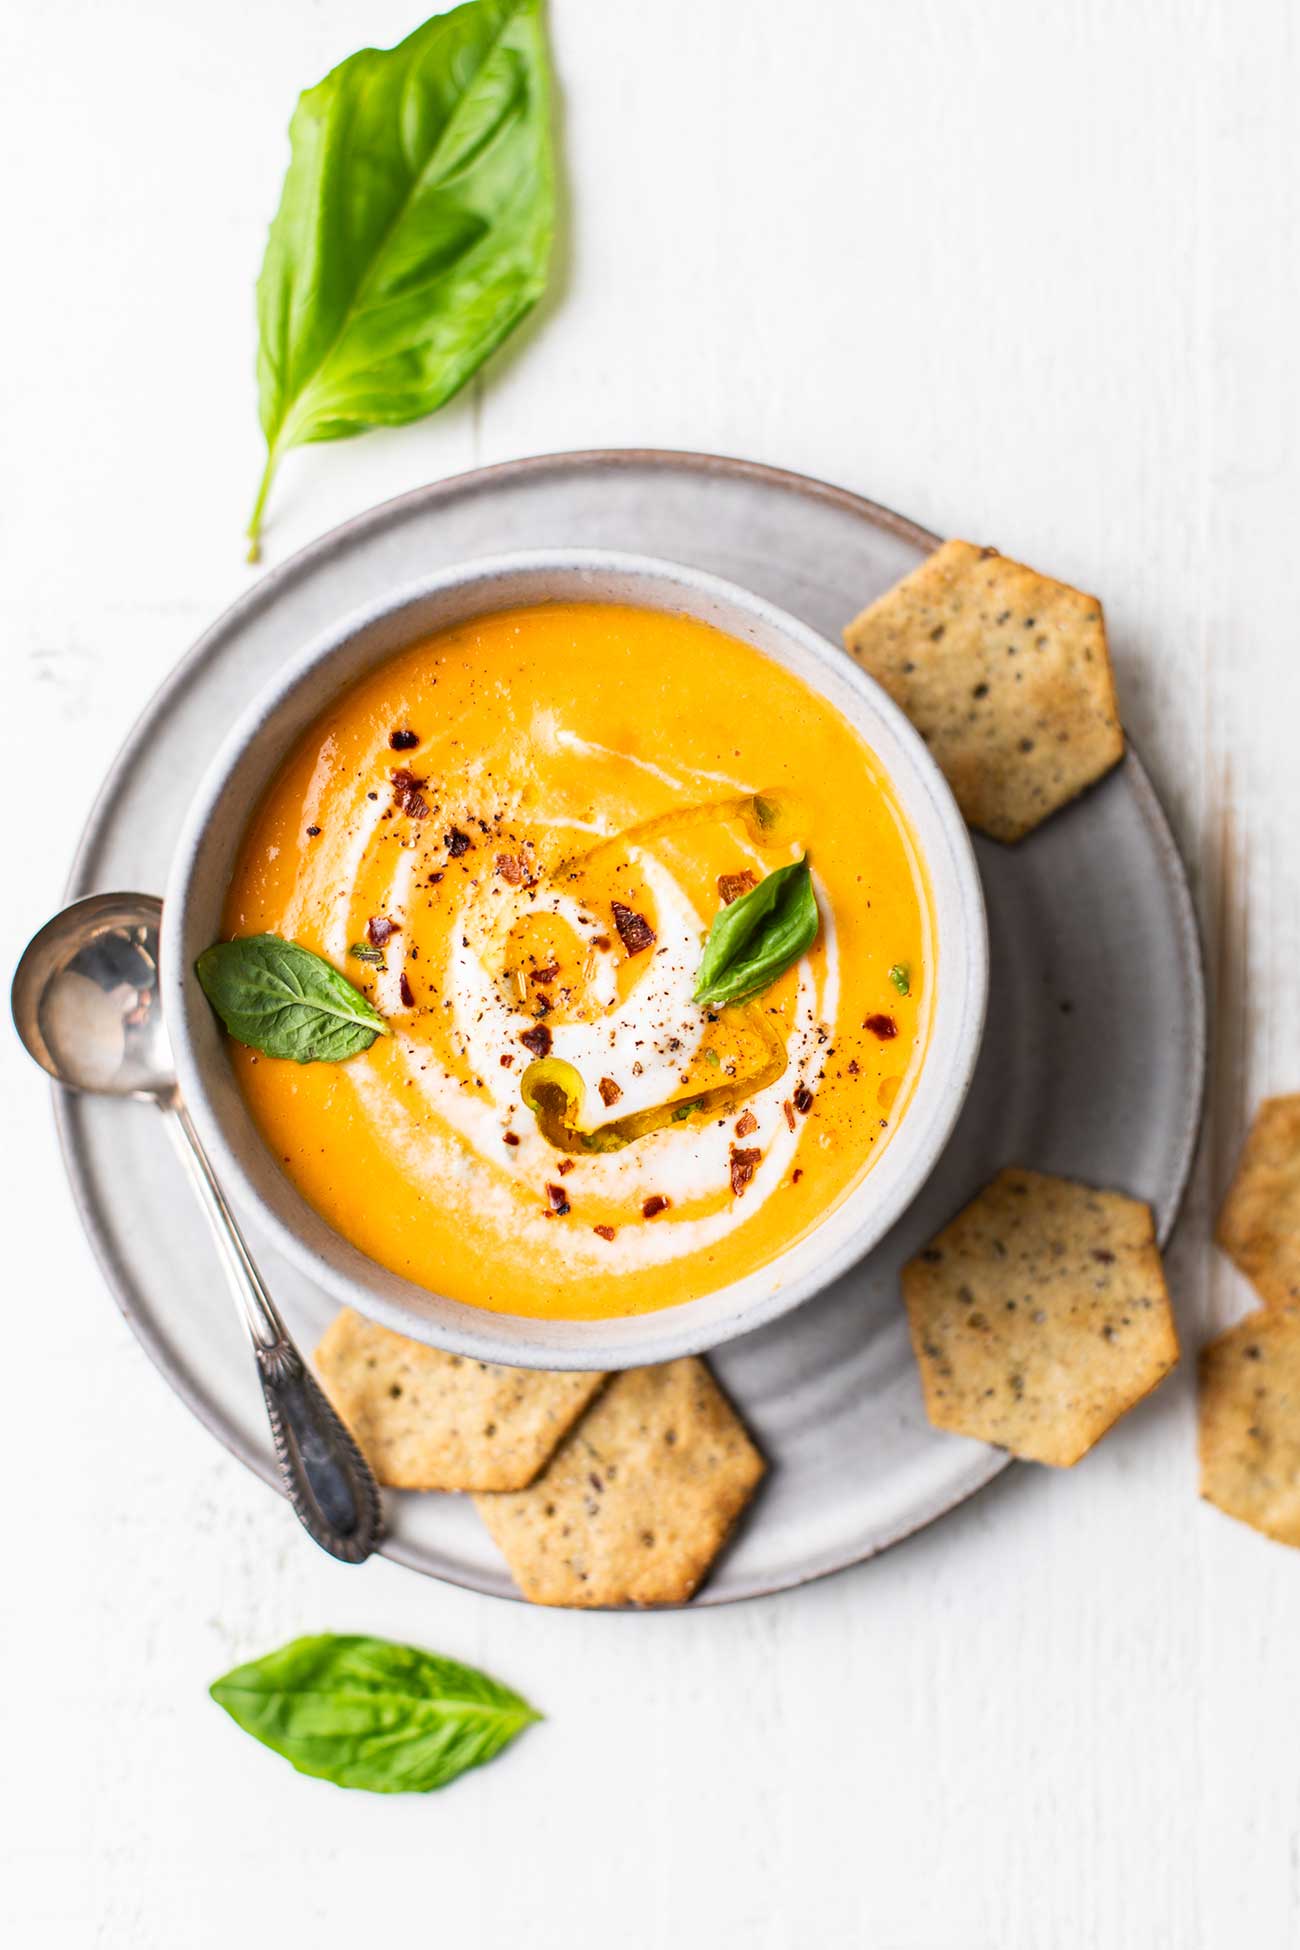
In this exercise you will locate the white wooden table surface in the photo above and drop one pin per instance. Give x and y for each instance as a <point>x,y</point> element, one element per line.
<point>1028,273</point>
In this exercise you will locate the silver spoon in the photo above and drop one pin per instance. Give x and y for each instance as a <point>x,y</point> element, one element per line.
<point>86,1004</point>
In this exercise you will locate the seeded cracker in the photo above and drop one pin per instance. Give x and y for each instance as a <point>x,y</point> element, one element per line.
<point>1259,1225</point>
<point>1039,1315</point>
<point>1007,677</point>
<point>635,1506</point>
<point>432,1421</point>
<point>1250,1422</point>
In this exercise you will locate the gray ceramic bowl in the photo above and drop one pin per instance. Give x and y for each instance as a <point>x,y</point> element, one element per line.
<point>205,858</point>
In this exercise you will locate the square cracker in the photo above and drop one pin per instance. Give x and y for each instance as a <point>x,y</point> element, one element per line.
<point>426,1420</point>
<point>1250,1422</point>
<point>1259,1226</point>
<point>1039,1315</point>
<point>1007,677</point>
<point>636,1505</point>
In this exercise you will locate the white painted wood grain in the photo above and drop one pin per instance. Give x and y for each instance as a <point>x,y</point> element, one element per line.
<point>1027,273</point>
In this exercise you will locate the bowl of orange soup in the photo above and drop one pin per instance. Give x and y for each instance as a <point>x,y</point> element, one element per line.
<point>516,807</point>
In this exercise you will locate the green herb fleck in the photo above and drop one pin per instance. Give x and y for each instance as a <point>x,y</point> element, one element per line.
<point>373,957</point>
<point>711,1056</point>
<point>901,976</point>
<point>682,1112</point>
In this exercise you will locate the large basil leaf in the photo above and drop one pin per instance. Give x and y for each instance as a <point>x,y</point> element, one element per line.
<point>758,937</point>
<point>285,1001</point>
<point>366,1713</point>
<point>414,227</point>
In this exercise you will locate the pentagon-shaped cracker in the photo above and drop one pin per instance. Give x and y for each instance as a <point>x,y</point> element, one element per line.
<point>1250,1422</point>
<point>1007,677</point>
<point>1259,1225</point>
<point>426,1420</point>
<point>635,1506</point>
<point>1039,1315</point>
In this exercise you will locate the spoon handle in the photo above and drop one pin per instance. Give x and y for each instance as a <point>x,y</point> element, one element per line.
<point>328,1481</point>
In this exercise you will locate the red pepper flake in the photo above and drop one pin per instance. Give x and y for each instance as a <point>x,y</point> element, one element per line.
<point>542,1005</point>
<point>403,741</point>
<point>605,1232</point>
<point>654,1205</point>
<point>559,1200</point>
<point>547,974</point>
<point>510,1138</point>
<point>883,1026</point>
<point>601,942</point>
<point>609,1091</point>
<point>746,1124</point>
<point>796,1174</point>
<point>537,1039</point>
<point>803,1100</point>
<point>380,929</point>
<point>855,1069</point>
<point>512,869</point>
<point>564,1167</point>
<point>507,1061</point>
<point>732,885</point>
<point>788,1108</point>
<point>405,991</point>
<point>634,931</point>
<point>743,1166</point>
<point>458,842</point>
<point>408,793</point>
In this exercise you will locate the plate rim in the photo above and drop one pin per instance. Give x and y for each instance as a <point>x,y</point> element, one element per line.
<point>302,562</point>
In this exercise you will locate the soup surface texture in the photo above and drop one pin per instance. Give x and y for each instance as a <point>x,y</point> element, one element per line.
<point>527,825</point>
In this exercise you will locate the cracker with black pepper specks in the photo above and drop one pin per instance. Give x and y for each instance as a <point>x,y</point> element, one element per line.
<point>635,1506</point>
<point>1259,1226</point>
<point>1007,677</point>
<point>1250,1422</point>
<point>1040,1315</point>
<point>426,1420</point>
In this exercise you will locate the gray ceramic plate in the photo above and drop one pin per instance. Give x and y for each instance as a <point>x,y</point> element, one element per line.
<point>1065,1081</point>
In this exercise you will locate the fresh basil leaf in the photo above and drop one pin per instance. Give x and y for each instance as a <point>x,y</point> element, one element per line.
<point>367,1713</point>
<point>759,936</point>
<point>414,228</point>
<point>285,1001</point>
<point>901,976</point>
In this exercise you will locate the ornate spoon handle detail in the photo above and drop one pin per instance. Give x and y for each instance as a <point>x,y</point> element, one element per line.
<point>328,1481</point>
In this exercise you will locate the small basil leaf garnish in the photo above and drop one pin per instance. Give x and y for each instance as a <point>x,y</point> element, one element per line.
<point>367,1713</point>
<point>901,976</point>
<point>759,936</point>
<point>414,228</point>
<point>286,1001</point>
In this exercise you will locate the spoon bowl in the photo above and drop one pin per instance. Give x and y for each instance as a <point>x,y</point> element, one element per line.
<point>86,1001</point>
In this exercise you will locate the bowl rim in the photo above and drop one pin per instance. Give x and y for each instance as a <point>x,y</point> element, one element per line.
<point>351,1276</point>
